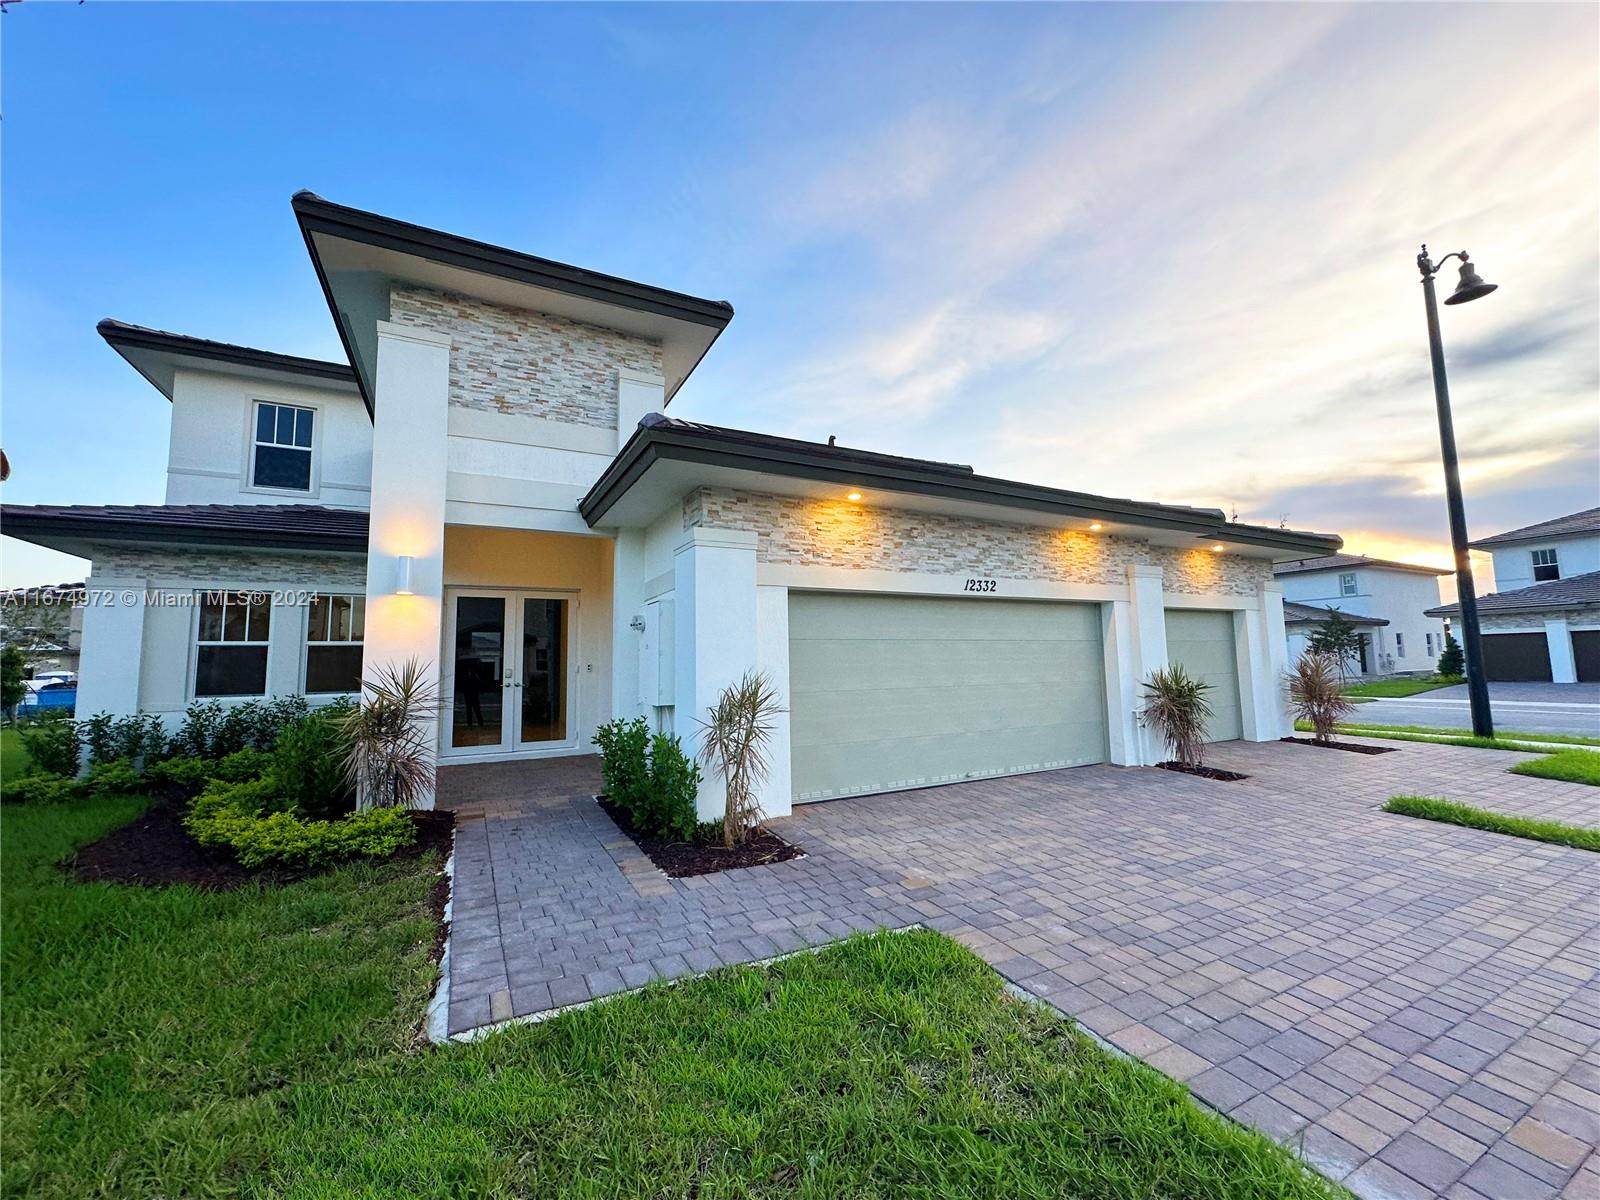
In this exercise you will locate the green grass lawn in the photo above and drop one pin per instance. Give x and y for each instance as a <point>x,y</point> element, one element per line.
<point>261,1043</point>
<point>1555,832</point>
<point>1389,689</point>
<point>1565,739</point>
<point>1452,737</point>
<point>1573,766</point>
<point>13,755</point>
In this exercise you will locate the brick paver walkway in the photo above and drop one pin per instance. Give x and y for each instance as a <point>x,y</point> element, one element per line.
<point>1412,1006</point>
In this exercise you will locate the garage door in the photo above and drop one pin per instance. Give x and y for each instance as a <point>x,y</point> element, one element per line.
<point>1523,657</point>
<point>1586,654</point>
<point>892,692</point>
<point>1203,643</point>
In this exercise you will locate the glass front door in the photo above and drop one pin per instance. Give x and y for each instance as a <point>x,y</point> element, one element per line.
<point>510,677</point>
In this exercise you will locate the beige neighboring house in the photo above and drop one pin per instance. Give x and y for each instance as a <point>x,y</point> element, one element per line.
<point>47,623</point>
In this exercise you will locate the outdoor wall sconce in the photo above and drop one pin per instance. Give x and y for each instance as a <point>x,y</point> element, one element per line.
<point>402,576</point>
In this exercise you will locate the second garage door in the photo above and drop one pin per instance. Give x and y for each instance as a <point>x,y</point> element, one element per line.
<point>893,692</point>
<point>1203,643</point>
<point>1516,657</point>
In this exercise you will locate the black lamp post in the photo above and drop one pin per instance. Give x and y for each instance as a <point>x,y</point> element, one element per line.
<point>1470,287</point>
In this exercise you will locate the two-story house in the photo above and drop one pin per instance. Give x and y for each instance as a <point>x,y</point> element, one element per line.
<point>1386,601</point>
<point>487,485</point>
<point>1542,621</point>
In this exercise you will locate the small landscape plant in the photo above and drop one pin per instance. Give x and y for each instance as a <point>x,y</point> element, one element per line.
<point>53,746</point>
<point>674,788</point>
<point>1175,703</point>
<point>263,838</point>
<point>308,762</point>
<point>735,740</point>
<point>1316,692</point>
<point>1451,660</point>
<point>389,738</point>
<point>138,738</point>
<point>624,747</point>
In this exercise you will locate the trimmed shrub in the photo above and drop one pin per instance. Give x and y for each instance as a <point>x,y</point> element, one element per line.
<point>283,839</point>
<point>1451,660</point>
<point>624,763</point>
<point>190,774</point>
<point>308,763</point>
<point>667,809</point>
<point>138,738</point>
<point>211,729</point>
<point>40,788</point>
<point>112,778</point>
<point>243,766</point>
<point>53,746</point>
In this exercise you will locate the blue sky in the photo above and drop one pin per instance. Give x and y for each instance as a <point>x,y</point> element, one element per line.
<point>1143,250</point>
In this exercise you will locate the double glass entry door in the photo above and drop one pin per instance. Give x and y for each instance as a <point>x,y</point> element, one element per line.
<point>510,677</point>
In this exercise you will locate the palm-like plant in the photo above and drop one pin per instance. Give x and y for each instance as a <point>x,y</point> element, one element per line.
<point>389,737</point>
<point>1175,703</point>
<point>1316,691</point>
<point>735,739</point>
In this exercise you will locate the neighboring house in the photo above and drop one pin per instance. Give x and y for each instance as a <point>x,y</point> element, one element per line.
<point>1301,622</point>
<point>1543,620</point>
<point>46,623</point>
<point>488,486</point>
<point>1397,595</point>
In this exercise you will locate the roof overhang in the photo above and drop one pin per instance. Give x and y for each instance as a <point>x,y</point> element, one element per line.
<point>158,356</point>
<point>359,255</point>
<point>79,532</point>
<point>663,462</point>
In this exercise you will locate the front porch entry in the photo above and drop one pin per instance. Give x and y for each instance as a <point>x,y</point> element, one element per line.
<point>509,681</point>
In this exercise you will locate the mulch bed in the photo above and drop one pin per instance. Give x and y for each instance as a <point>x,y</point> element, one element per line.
<point>682,859</point>
<point>1350,746</point>
<point>1216,773</point>
<point>155,850</point>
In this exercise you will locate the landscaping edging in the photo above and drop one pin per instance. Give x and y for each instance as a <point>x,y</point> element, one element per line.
<point>1216,773</point>
<point>1350,747</point>
<point>683,860</point>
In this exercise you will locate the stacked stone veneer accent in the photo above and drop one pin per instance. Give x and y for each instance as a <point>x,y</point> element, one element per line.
<point>866,537</point>
<point>512,360</point>
<point>244,569</point>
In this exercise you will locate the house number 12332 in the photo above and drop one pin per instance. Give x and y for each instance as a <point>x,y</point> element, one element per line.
<point>980,585</point>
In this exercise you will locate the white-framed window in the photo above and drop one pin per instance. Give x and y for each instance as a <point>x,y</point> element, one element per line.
<point>281,446</point>
<point>1545,565</point>
<point>231,644</point>
<point>1347,584</point>
<point>1427,639</point>
<point>335,628</point>
<point>1399,645</point>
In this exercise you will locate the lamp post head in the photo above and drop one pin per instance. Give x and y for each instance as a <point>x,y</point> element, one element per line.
<point>1471,285</point>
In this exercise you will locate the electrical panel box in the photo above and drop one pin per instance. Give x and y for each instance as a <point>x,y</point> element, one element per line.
<point>656,646</point>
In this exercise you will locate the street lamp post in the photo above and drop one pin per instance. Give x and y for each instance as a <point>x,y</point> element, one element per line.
<point>1471,287</point>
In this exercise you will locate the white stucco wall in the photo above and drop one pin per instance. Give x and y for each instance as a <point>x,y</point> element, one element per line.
<point>1399,597</point>
<point>209,453</point>
<point>1513,565</point>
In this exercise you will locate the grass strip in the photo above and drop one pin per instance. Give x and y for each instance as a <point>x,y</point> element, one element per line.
<point>1571,766</point>
<point>1565,739</point>
<point>1430,808</point>
<point>260,1042</point>
<point>1389,689</point>
<point>1455,739</point>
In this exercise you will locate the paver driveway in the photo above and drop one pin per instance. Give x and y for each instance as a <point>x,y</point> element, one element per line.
<point>1414,1006</point>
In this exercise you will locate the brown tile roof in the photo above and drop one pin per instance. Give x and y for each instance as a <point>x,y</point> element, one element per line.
<point>1581,591</point>
<point>1587,521</point>
<point>289,526</point>
<point>1340,562</point>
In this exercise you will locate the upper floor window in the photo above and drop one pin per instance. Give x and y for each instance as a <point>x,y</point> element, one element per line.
<point>1545,566</point>
<point>1347,584</point>
<point>281,455</point>
<point>231,654</point>
<point>333,644</point>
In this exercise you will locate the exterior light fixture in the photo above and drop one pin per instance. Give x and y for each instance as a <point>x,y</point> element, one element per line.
<point>1096,527</point>
<point>1217,549</point>
<point>1471,287</point>
<point>854,497</point>
<point>402,576</point>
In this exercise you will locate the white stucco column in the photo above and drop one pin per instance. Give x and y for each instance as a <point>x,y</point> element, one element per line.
<point>112,649</point>
<point>1123,737</point>
<point>637,394</point>
<point>627,598</point>
<point>1147,624</point>
<point>1263,659</point>
<point>1563,666</point>
<point>410,434</point>
<point>715,613</point>
<point>772,657</point>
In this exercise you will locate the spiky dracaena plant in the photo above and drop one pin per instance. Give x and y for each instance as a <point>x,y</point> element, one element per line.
<point>389,737</point>
<point>1316,692</point>
<point>735,738</point>
<point>1175,703</point>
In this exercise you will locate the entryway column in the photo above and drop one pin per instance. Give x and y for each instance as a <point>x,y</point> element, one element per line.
<point>1563,666</point>
<point>1263,659</point>
<point>715,600</point>
<point>1141,641</point>
<point>405,544</point>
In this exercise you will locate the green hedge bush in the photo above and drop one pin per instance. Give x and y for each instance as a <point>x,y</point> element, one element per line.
<point>52,745</point>
<point>624,761</point>
<point>308,763</point>
<point>649,778</point>
<point>238,818</point>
